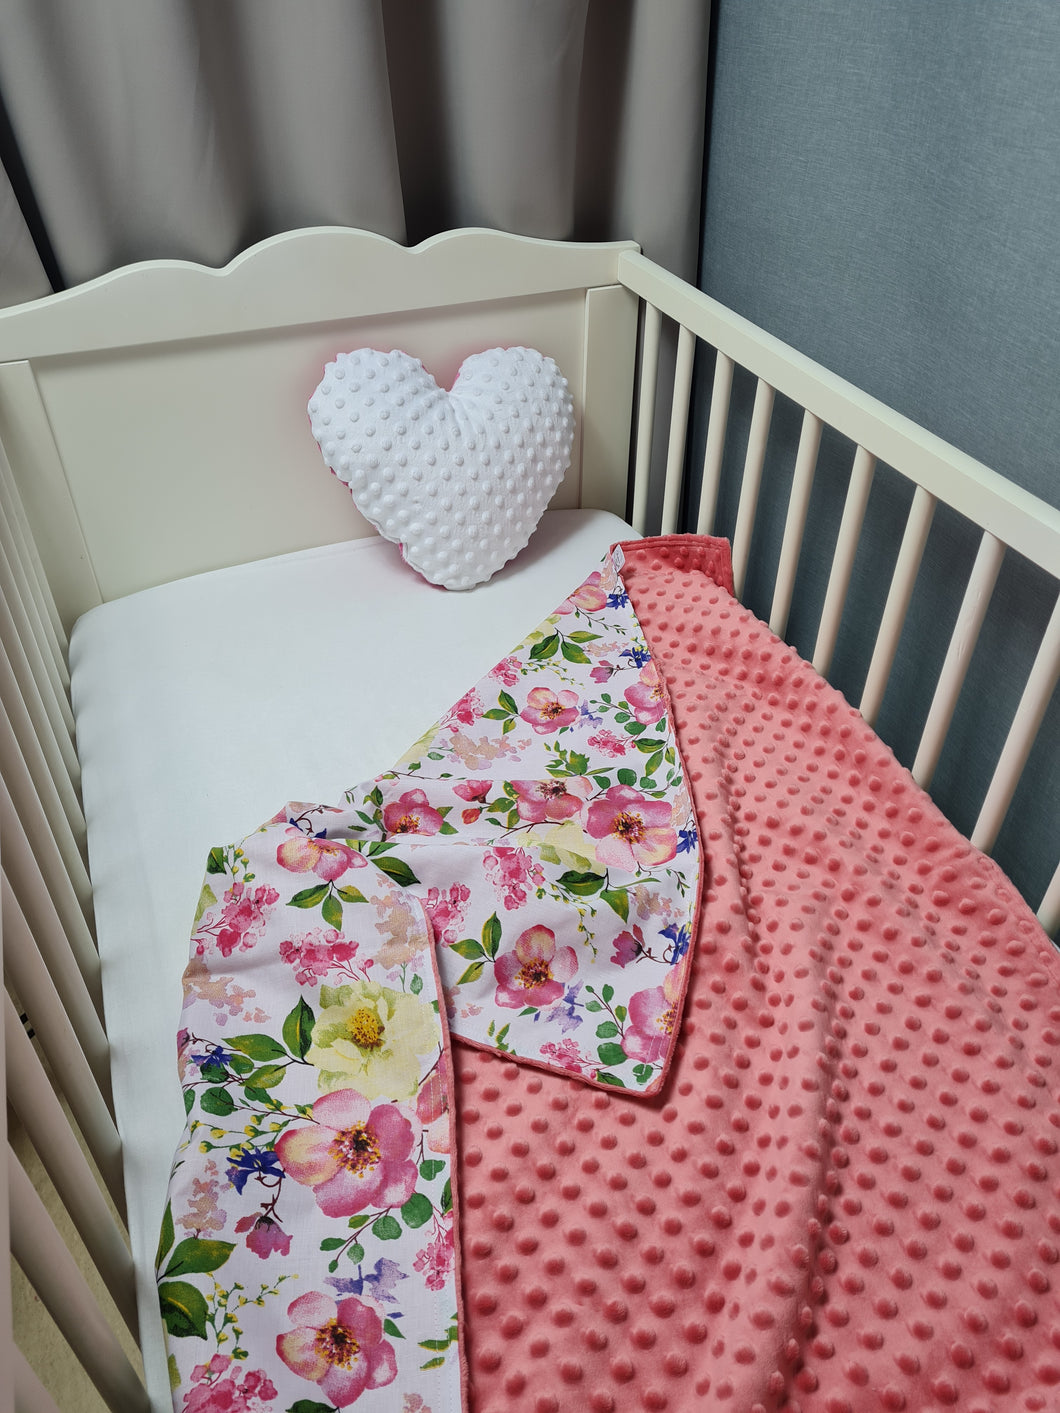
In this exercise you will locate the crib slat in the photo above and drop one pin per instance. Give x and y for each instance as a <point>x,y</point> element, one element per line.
<point>751,484</point>
<point>49,1131</point>
<point>1040,684</point>
<point>8,1352</point>
<point>34,789</point>
<point>39,695</point>
<point>901,591</point>
<point>39,705</point>
<point>29,556</point>
<point>649,373</point>
<point>73,1074</point>
<point>835,598</point>
<point>715,448</point>
<point>1026,524</point>
<point>30,1394</point>
<point>52,907</point>
<point>41,1252</point>
<point>958,656</point>
<point>1049,908</point>
<point>45,667</point>
<point>44,644</point>
<point>795,525</point>
<point>62,1014</point>
<point>38,746</point>
<point>675,453</point>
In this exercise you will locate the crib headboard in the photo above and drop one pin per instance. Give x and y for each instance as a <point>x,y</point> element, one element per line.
<point>132,405</point>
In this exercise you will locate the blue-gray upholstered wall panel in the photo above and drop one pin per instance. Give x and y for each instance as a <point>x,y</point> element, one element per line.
<point>883,192</point>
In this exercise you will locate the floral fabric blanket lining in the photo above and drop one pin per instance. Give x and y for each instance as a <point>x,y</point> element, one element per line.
<point>526,879</point>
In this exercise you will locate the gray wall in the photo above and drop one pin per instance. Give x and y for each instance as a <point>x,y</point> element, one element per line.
<point>883,192</point>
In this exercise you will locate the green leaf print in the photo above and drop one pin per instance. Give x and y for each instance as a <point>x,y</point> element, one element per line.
<point>331,911</point>
<point>259,1047</point>
<point>468,948</point>
<point>397,869</point>
<point>216,1101</point>
<point>581,884</point>
<point>548,647</point>
<point>184,1310</point>
<point>309,897</point>
<point>491,936</point>
<point>386,1228</point>
<point>195,1256</point>
<point>617,899</point>
<point>417,1210</point>
<point>298,1029</point>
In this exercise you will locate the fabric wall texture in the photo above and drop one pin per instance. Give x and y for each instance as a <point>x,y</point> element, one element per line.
<point>883,192</point>
<point>192,128</point>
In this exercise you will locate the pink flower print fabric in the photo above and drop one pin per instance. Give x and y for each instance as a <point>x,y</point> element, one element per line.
<point>526,879</point>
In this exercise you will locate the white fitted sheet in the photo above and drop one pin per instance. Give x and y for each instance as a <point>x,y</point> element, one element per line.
<point>202,707</point>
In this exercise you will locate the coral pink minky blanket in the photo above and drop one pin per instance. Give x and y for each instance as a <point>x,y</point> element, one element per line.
<point>805,1160</point>
<point>846,1195</point>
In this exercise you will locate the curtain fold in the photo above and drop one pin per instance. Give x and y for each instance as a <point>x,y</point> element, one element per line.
<point>22,275</point>
<point>191,128</point>
<point>107,105</point>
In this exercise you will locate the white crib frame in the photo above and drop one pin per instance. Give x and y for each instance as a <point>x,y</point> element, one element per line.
<point>113,435</point>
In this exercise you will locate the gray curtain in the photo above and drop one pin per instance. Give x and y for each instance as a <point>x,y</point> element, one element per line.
<point>191,128</point>
<point>884,193</point>
<point>21,273</point>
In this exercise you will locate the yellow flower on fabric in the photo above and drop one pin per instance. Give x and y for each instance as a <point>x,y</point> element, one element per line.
<point>564,844</point>
<point>373,1039</point>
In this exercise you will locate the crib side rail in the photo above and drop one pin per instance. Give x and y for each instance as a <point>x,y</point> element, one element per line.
<point>61,1166</point>
<point>1008,517</point>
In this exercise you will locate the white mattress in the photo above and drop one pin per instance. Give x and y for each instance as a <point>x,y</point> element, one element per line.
<point>202,707</point>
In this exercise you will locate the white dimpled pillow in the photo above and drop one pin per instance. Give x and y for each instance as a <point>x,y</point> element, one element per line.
<point>458,479</point>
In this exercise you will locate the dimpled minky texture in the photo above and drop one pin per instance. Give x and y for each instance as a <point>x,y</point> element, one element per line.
<point>846,1195</point>
<point>458,479</point>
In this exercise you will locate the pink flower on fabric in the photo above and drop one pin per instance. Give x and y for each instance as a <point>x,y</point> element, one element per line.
<point>589,597</point>
<point>327,858</point>
<point>411,814</point>
<point>512,872</point>
<point>645,697</point>
<point>634,831</point>
<point>431,1102</point>
<point>566,1055</point>
<point>548,711</point>
<point>446,909</point>
<point>353,1155</point>
<point>316,953</point>
<point>466,711</point>
<point>339,1346</point>
<point>473,790</point>
<point>432,1110</point>
<point>266,1235</point>
<point>628,947</point>
<point>243,917</point>
<point>557,800</point>
<point>507,671</point>
<point>534,972</point>
<point>652,1016</point>
<point>221,1386</point>
<point>435,1261</point>
<point>602,672</point>
<point>608,744</point>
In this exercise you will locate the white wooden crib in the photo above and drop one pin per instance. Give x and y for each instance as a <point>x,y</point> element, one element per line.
<point>129,405</point>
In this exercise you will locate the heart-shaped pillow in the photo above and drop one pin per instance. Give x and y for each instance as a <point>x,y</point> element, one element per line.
<point>458,479</point>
